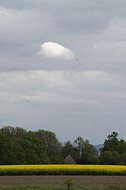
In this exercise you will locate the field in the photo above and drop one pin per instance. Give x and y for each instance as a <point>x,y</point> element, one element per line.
<point>59,180</point>
<point>82,175</point>
<point>62,170</point>
<point>60,188</point>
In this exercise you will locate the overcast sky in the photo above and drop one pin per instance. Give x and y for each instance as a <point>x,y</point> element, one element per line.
<point>63,67</point>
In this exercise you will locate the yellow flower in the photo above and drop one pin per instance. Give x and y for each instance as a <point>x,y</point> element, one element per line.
<point>62,169</point>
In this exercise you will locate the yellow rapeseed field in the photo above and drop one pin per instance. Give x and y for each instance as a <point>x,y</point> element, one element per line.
<point>62,169</point>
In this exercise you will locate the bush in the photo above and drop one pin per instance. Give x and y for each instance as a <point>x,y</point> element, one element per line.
<point>69,183</point>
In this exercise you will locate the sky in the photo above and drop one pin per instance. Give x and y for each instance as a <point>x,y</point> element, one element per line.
<point>63,67</point>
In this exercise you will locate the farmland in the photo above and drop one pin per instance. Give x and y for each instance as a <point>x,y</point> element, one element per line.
<point>82,175</point>
<point>62,169</point>
<point>79,181</point>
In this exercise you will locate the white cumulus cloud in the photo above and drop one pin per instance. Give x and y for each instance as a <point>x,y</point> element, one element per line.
<point>55,50</point>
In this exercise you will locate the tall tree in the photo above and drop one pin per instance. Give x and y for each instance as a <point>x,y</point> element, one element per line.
<point>111,142</point>
<point>68,149</point>
<point>113,151</point>
<point>13,131</point>
<point>79,143</point>
<point>28,150</point>
<point>89,152</point>
<point>51,143</point>
<point>109,158</point>
<point>6,156</point>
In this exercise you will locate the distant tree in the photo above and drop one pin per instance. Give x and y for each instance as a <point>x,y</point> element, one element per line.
<point>52,144</point>
<point>121,146</point>
<point>113,151</point>
<point>13,131</point>
<point>79,143</point>
<point>111,142</point>
<point>110,158</point>
<point>89,152</point>
<point>6,156</point>
<point>28,150</point>
<point>7,130</point>
<point>83,160</point>
<point>68,149</point>
<point>123,158</point>
<point>20,132</point>
<point>36,153</point>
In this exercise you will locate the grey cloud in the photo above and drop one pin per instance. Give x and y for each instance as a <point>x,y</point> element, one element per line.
<point>86,15</point>
<point>61,101</point>
<point>74,17</point>
<point>89,94</point>
<point>59,87</point>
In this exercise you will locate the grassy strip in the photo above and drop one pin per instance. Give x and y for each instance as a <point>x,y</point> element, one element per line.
<point>62,170</point>
<point>59,188</point>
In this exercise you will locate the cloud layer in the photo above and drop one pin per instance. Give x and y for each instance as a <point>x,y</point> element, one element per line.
<point>62,87</point>
<point>55,50</point>
<point>87,97</point>
<point>63,100</point>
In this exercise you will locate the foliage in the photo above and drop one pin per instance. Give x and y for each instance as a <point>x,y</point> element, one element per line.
<point>109,157</point>
<point>123,158</point>
<point>82,160</point>
<point>18,146</point>
<point>68,149</point>
<point>69,183</point>
<point>50,187</point>
<point>111,142</point>
<point>29,150</point>
<point>113,151</point>
<point>5,150</point>
<point>21,147</point>
<point>51,144</point>
<point>87,152</point>
<point>13,131</point>
<point>79,143</point>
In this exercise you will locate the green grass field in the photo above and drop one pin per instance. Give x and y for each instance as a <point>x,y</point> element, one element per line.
<point>59,188</point>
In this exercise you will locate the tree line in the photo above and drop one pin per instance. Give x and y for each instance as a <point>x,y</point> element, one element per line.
<point>18,146</point>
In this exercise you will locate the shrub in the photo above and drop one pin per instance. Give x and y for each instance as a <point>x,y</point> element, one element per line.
<point>69,183</point>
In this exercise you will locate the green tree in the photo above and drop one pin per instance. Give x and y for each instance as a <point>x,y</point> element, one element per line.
<point>79,143</point>
<point>36,153</point>
<point>13,131</point>
<point>121,146</point>
<point>52,144</point>
<point>6,156</point>
<point>28,150</point>
<point>89,152</point>
<point>123,158</point>
<point>110,158</point>
<point>113,151</point>
<point>7,130</point>
<point>68,148</point>
<point>111,142</point>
